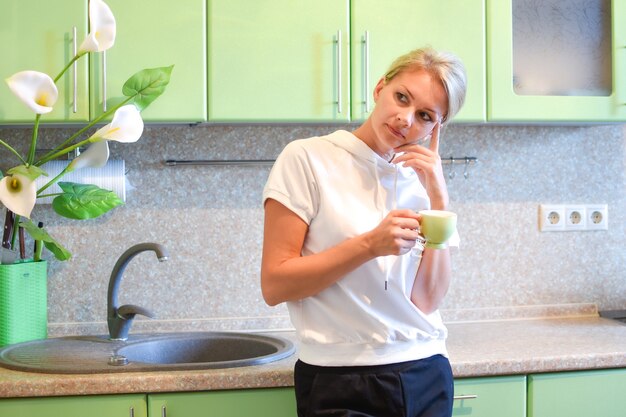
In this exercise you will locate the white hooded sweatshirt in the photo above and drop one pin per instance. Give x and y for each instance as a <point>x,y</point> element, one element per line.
<point>341,188</point>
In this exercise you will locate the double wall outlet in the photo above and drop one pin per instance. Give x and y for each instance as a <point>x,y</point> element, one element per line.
<point>572,217</point>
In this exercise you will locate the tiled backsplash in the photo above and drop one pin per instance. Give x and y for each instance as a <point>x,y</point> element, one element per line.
<point>211,220</point>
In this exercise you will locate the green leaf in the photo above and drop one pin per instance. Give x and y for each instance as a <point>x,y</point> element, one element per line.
<point>147,85</point>
<point>38,233</point>
<point>32,172</point>
<point>58,250</point>
<point>84,201</point>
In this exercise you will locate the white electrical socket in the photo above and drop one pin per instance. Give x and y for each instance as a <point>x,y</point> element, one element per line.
<point>551,218</point>
<point>597,217</point>
<point>575,217</point>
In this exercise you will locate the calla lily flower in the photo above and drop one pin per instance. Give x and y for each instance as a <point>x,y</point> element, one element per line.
<point>18,193</point>
<point>102,25</point>
<point>126,126</point>
<point>95,156</point>
<point>35,89</point>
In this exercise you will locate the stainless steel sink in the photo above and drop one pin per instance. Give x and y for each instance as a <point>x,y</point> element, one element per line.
<point>149,352</point>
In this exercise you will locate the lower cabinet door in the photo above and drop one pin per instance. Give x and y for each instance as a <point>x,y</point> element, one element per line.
<point>578,394</point>
<point>133,405</point>
<point>477,397</point>
<point>266,402</point>
<point>490,397</point>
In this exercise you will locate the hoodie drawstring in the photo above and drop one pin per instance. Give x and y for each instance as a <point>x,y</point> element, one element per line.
<point>394,206</point>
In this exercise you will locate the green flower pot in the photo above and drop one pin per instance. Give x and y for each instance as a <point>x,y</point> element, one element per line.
<point>23,302</point>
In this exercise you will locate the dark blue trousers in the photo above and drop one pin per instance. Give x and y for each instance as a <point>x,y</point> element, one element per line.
<point>422,388</point>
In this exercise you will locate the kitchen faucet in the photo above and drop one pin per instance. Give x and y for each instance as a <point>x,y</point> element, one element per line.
<point>120,318</point>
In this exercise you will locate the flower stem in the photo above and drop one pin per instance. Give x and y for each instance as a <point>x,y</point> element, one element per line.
<point>15,231</point>
<point>52,181</point>
<point>62,152</point>
<point>10,148</point>
<point>69,64</point>
<point>56,152</point>
<point>49,195</point>
<point>33,141</point>
<point>38,250</point>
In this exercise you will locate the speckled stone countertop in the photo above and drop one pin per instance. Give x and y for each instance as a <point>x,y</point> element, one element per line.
<point>482,348</point>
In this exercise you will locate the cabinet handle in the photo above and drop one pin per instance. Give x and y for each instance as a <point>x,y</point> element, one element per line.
<point>132,412</point>
<point>339,98</point>
<point>366,56</point>
<point>465,397</point>
<point>163,411</point>
<point>75,81</point>
<point>104,81</point>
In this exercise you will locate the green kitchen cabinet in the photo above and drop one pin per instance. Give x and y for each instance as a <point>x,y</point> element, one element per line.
<point>132,405</point>
<point>556,61</point>
<point>41,36</point>
<point>155,34</point>
<point>382,31</point>
<point>490,397</point>
<point>262,402</point>
<point>577,394</point>
<point>480,397</point>
<point>278,60</point>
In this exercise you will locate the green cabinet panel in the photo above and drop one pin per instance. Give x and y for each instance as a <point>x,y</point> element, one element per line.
<point>89,406</point>
<point>278,60</point>
<point>395,27</point>
<point>156,34</point>
<point>266,402</point>
<point>504,104</point>
<point>38,35</point>
<point>577,394</point>
<point>490,397</point>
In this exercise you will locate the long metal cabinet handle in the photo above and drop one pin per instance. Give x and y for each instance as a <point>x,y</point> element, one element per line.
<point>465,397</point>
<point>104,80</point>
<point>339,69</point>
<point>163,411</point>
<point>132,412</point>
<point>366,58</point>
<point>75,81</point>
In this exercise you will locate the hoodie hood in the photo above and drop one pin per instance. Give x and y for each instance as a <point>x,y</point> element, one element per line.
<point>383,170</point>
<point>346,140</point>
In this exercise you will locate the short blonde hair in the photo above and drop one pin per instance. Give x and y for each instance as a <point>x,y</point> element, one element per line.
<point>445,66</point>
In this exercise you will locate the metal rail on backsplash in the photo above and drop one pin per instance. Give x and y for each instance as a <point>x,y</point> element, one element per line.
<point>463,160</point>
<point>218,162</point>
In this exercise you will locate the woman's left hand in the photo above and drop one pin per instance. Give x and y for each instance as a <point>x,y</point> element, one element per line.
<point>427,164</point>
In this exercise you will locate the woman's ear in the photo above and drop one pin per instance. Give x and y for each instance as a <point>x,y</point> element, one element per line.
<point>379,86</point>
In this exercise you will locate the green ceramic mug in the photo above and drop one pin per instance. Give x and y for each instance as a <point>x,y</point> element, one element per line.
<point>437,226</point>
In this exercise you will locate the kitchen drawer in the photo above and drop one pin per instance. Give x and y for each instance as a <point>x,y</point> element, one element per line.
<point>490,397</point>
<point>577,394</point>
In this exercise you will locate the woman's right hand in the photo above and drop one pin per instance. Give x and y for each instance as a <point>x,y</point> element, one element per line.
<point>395,234</point>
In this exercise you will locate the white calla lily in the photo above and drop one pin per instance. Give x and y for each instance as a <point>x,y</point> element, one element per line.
<point>95,156</point>
<point>102,26</point>
<point>18,193</point>
<point>126,126</point>
<point>36,89</point>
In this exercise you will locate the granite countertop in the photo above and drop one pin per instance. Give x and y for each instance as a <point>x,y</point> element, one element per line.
<point>481,348</point>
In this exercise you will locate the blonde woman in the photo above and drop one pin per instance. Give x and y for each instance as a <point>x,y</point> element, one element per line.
<point>341,248</point>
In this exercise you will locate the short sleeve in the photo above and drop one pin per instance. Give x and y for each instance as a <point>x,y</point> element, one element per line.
<point>292,181</point>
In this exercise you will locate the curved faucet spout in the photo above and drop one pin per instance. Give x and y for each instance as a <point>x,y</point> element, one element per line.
<point>119,318</point>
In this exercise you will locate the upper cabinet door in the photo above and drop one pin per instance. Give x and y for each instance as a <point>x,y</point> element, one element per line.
<point>278,60</point>
<point>39,35</point>
<point>557,61</point>
<point>384,30</point>
<point>154,34</point>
